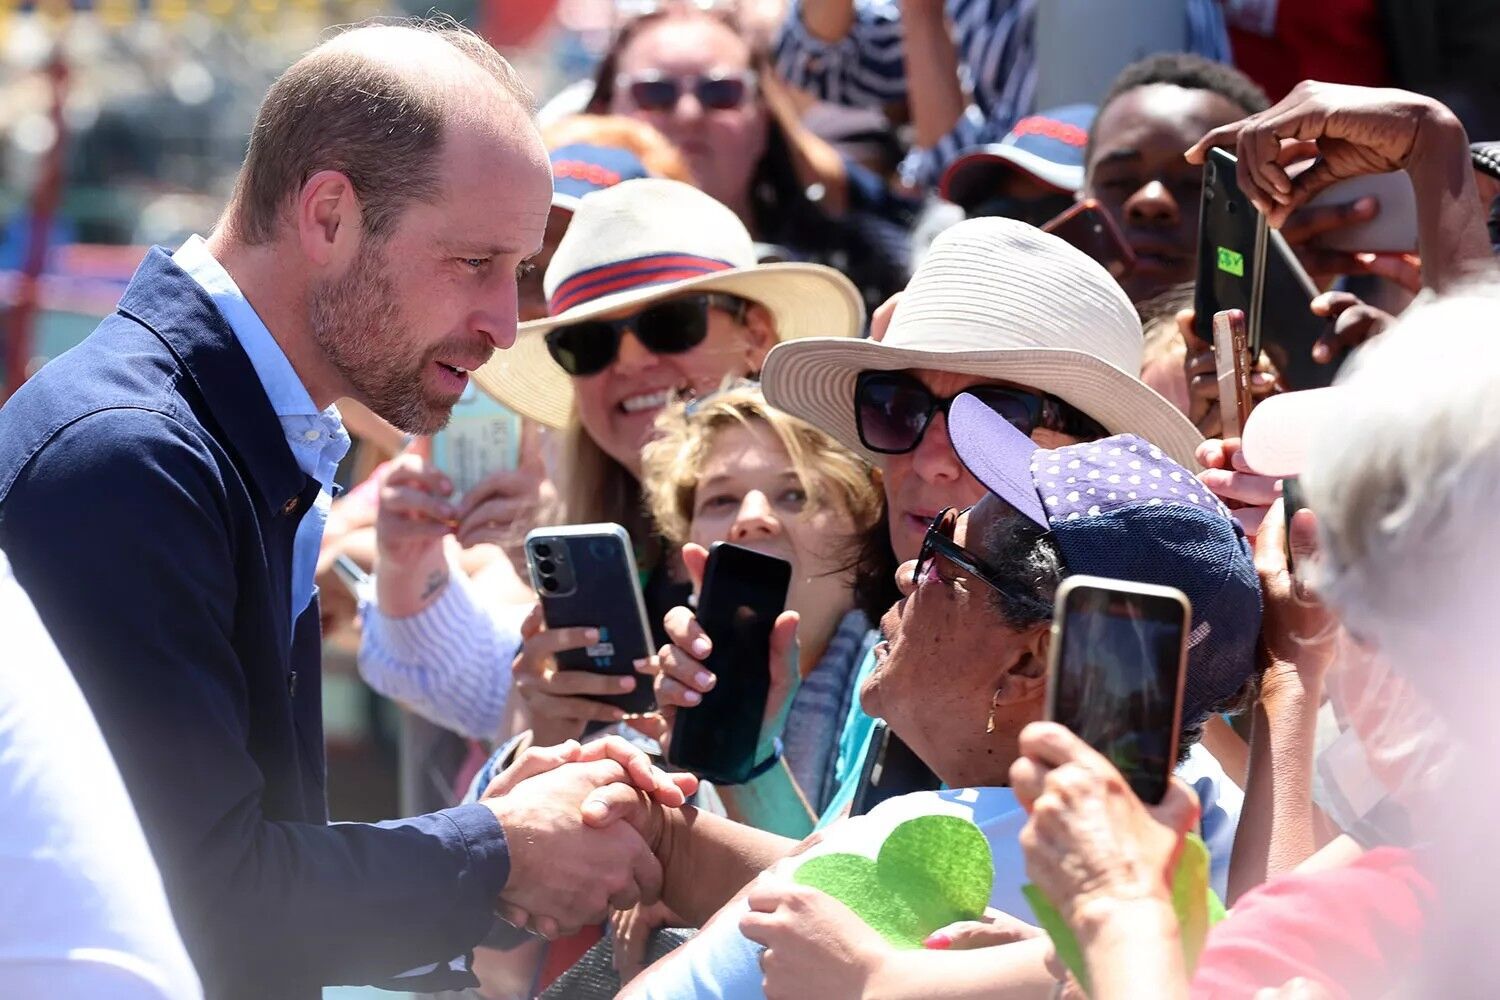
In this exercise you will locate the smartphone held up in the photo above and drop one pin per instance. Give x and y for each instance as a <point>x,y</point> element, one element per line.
<point>1117,663</point>
<point>743,593</point>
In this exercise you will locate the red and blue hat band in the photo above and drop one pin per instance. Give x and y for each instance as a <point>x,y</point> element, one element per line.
<point>640,272</point>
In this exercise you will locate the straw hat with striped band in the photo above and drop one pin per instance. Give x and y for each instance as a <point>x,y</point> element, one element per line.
<point>998,299</point>
<point>646,240</point>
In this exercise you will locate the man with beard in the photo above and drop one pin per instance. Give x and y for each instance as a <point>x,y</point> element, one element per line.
<point>163,489</point>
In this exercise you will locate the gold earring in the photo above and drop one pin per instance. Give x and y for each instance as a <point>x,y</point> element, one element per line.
<point>989,726</point>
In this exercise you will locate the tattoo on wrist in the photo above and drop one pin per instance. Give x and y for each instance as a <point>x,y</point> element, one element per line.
<point>435,583</point>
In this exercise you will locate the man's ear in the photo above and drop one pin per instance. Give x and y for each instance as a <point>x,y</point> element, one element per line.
<point>1024,677</point>
<point>327,218</point>
<point>760,326</point>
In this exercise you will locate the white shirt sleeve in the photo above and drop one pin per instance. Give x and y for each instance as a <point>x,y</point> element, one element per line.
<point>450,662</point>
<point>83,912</point>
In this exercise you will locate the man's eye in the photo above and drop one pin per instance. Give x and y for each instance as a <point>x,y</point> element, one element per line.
<point>476,263</point>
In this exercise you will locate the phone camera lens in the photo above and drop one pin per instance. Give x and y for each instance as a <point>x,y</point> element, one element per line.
<point>542,549</point>
<point>549,585</point>
<point>546,566</point>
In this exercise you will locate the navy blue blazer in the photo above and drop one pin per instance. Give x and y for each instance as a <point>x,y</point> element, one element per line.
<point>148,502</point>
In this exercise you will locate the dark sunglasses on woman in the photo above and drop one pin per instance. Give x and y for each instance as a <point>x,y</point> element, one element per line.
<point>893,410</point>
<point>939,542</point>
<point>669,327</point>
<point>651,90</point>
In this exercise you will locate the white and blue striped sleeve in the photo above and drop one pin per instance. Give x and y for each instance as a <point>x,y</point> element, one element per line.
<point>449,663</point>
<point>865,68</point>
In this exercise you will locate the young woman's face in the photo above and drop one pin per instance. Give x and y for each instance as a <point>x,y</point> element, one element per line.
<point>749,493</point>
<point>722,145</point>
<point>618,406</point>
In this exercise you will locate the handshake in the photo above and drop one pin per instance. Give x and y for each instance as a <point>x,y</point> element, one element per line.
<point>584,826</point>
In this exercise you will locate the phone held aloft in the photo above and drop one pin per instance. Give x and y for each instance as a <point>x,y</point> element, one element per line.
<point>1232,362</point>
<point>1117,661</point>
<point>481,437</point>
<point>743,594</point>
<point>1090,228</point>
<point>585,577</point>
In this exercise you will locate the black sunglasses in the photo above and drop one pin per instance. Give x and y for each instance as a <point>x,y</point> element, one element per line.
<point>939,542</point>
<point>669,327</point>
<point>892,410</point>
<point>655,91</point>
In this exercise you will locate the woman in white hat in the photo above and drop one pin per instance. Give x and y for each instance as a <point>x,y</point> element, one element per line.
<point>654,293</point>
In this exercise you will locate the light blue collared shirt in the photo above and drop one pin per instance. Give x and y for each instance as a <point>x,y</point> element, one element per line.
<point>317,439</point>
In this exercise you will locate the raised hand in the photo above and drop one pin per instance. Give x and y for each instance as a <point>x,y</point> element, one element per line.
<point>1351,131</point>
<point>561,703</point>
<point>504,505</point>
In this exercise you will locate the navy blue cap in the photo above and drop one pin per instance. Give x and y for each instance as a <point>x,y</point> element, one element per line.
<point>583,168</point>
<point>1049,146</point>
<point>1120,508</point>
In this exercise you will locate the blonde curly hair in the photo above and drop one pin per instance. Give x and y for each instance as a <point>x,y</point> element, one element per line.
<point>832,475</point>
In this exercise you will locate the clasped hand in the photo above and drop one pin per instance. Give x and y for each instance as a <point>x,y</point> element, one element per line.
<point>582,824</point>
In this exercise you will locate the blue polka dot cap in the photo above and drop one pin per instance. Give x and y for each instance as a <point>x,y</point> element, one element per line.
<point>1120,508</point>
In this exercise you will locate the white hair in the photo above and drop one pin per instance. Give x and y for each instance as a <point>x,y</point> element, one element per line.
<point>1405,483</point>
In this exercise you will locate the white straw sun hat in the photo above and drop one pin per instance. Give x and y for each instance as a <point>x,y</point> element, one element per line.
<point>646,240</point>
<point>998,299</point>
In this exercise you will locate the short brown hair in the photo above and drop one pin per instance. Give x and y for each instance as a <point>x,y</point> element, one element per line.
<point>339,109</point>
<point>832,475</point>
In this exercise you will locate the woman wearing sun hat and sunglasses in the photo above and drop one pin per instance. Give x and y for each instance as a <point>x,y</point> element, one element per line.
<point>1030,326</point>
<point>654,293</point>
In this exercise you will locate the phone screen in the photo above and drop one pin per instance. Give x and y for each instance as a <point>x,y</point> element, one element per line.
<point>743,593</point>
<point>1117,681</point>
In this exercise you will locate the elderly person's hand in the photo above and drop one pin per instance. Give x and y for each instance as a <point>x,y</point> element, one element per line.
<point>1091,846</point>
<point>561,703</point>
<point>1351,131</point>
<point>815,946</point>
<point>995,929</point>
<point>682,679</point>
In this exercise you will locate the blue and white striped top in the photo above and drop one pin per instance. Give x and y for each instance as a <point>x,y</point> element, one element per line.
<point>993,38</point>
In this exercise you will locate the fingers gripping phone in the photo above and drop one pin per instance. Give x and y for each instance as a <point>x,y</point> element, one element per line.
<point>1090,228</point>
<point>1232,361</point>
<point>743,593</point>
<point>1118,657</point>
<point>585,576</point>
<point>1243,265</point>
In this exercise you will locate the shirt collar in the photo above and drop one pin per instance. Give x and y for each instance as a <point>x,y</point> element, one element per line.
<point>289,397</point>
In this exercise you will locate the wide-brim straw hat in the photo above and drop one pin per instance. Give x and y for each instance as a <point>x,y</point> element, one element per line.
<point>997,299</point>
<point>646,240</point>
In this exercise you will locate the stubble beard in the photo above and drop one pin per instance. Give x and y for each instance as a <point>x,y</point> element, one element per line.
<point>356,324</point>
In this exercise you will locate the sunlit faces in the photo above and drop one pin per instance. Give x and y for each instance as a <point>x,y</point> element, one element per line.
<point>946,651</point>
<point>722,146</point>
<point>410,317</point>
<point>1137,171</point>
<point>749,493</point>
<point>618,406</point>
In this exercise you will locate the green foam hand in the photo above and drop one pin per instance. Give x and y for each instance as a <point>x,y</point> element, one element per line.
<point>930,872</point>
<point>1195,903</point>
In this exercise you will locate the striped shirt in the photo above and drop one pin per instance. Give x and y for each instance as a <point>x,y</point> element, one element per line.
<point>449,662</point>
<point>996,65</point>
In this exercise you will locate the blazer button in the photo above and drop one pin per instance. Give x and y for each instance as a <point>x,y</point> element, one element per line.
<point>290,507</point>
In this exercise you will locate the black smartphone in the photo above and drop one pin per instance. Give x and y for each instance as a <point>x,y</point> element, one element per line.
<point>1119,652</point>
<point>585,575</point>
<point>891,768</point>
<point>1243,264</point>
<point>1292,501</point>
<point>743,593</point>
<point>1089,227</point>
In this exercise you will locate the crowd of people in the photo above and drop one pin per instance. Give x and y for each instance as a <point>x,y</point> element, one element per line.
<point>799,294</point>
